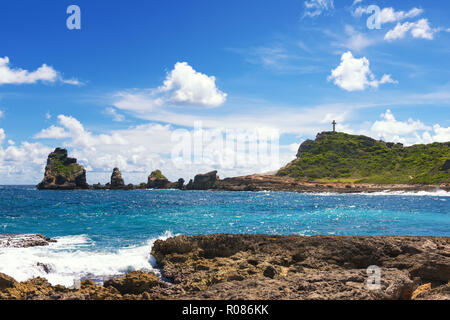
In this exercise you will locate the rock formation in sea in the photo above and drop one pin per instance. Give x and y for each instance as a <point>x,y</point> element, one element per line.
<point>117,181</point>
<point>253,267</point>
<point>156,180</point>
<point>63,173</point>
<point>204,181</point>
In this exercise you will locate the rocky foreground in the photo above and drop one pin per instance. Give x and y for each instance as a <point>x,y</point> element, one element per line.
<point>271,267</point>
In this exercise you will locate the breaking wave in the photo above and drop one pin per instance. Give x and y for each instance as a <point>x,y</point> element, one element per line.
<point>73,258</point>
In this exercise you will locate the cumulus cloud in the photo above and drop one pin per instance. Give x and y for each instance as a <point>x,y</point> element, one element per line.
<point>44,73</point>
<point>390,126</point>
<point>420,29</point>
<point>408,132</point>
<point>23,163</point>
<point>315,8</point>
<point>182,86</point>
<point>52,132</point>
<point>186,85</point>
<point>354,74</point>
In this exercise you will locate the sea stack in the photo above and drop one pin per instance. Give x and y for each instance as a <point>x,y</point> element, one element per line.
<point>156,180</point>
<point>63,173</point>
<point>117,180</point>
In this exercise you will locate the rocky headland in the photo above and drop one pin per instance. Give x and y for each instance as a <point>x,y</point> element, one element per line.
<point>244,267</point>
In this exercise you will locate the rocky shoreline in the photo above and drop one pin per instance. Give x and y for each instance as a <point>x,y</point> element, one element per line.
<point>253,267</point>
<point>64,173</point>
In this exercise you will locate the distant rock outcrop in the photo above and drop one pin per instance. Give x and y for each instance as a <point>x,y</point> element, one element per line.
<point>156,180</point>
<point>63,173</point>
<point>117,181</point>
<point>204,181</point>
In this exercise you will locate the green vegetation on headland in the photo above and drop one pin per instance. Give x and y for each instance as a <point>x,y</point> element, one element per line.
<point>341,157</point>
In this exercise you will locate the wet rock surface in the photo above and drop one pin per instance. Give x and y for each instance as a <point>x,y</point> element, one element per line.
<point>24,240</point>
<point>271,267</point>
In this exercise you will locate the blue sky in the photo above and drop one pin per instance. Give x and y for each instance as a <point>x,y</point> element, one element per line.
<point>115,91</point>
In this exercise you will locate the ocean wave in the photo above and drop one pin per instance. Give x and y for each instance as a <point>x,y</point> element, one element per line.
<point>73,258</point>
<point>437,193</point>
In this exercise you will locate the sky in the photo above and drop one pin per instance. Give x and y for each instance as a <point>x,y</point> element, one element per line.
<point>146,85</point>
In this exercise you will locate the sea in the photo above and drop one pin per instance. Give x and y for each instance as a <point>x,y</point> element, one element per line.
<point>106,233</point>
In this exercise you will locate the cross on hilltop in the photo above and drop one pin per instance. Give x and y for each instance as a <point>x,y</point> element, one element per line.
<point>334,123</point>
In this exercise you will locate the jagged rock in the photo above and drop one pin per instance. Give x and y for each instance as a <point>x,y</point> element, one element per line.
<point>63,173</point>
<point>291,267</point>
<point>24,240</point>
<point>117,180</point>
<point>190,184</point>
<point>143,186</point>
<point>98,186</point>
<point>6,282</point>
<point>136,282</point>
<point>156,180</point>
<point>204,181</point>
<point>180,184</point>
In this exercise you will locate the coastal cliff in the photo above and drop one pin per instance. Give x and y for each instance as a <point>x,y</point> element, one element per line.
<point>253,267</point>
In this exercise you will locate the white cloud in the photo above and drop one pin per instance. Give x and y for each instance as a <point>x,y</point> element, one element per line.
<point>44,73</point>
<point>189,86</point>
<point>389,126</point>
<point>420,29</point>
<point>408,132</point>
<point>182,86</point>
<point>315,8</point>
<point>116,116</point>
<point>389,15</point>
<point>357,41</point>
<point>2,114</point>
<point>52,132</point>
<point>354,74</point>
<point>21,164</point>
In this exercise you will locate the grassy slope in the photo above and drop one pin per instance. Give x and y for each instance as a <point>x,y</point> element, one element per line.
<point>340,157</point>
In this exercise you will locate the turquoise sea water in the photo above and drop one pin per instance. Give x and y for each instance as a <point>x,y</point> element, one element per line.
<point>103,233</point>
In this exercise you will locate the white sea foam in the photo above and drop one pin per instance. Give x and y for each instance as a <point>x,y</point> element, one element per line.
<point>73,258</point>
<point>437,193</point>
